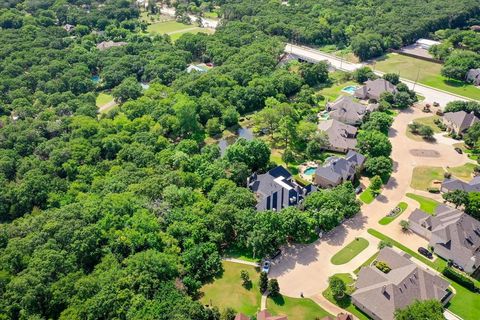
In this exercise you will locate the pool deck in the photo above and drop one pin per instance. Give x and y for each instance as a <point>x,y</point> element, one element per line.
<point>304,167</point>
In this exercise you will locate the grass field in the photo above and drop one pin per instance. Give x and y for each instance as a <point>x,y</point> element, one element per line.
<point>176,35</point>
<point>175,29</point>
<point>295,308</point>
<point>350,251</point>
<point>332,92</point>
<point>428,73</point>
<point>463,172</point>
<point>387,219</point>
<point>103,98</point>
<point>366,196</point>
<point>426,204</point>
<point>227,290</point>
<point>423,176</point>
<point>428,121</point>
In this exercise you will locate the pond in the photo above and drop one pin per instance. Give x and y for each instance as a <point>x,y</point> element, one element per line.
<point>241,133</point>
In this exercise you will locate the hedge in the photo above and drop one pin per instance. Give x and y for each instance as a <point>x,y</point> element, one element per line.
<point>459,278</point>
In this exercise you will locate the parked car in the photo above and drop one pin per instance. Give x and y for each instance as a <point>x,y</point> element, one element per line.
<point>458,150</point>
<point>358,190</point>
<point>276,254</point>
<point>436,104</point>
<point>425,252</point>
<point>266,267</point>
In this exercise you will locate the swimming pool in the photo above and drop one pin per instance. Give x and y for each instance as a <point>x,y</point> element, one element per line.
<point>309,171</point>
<point>95,79</point>
<point>324,115</point>
<point>349,89</point>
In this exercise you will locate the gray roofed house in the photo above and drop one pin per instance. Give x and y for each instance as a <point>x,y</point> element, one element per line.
<point>379,294</point>
<point>104,45</point>
<point>453,234</point>
<point>341,137</point>
<point>473,76</point>
<point>338,170</point>
<point>374,88</point>
<point>458,122</point>
<point>452,184</point>
<point>346,110</point>
<point>277,189</point>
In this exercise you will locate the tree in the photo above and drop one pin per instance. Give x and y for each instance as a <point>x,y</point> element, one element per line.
<point>246,282</point>
<point>337,287</point>
<point>379,166</point>
<point>255,154</point>
<point>393,78</point>
<point>473,205</point>
<point>273,288</point>
<point>472,136</point>
<point>379,121</point>
<point>459,62</point>
<point>263,282</point>
<point>362,74</point>
<point>128,89</point>
<point>288,156</point>
<point>373,144</point>
<point>384,243</point>
<point>375,184</point>
<point>426,132</point>
<point>314,73</point>
<point>427,309</point>
<point>213,127</point>
<point>228,314</point>
<point>456,197</point>
<point>366,46</point>
<point>405,225</point>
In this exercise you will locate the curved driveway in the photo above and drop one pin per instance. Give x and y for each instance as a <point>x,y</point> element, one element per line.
<point>306,268</point>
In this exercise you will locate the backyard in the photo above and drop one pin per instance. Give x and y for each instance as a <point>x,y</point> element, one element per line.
<point>103,99</point>
<point>295,308</point>
<point>426,204</point>
<point>350,251</point>
<point>425,72</point>
<point>332,92</point>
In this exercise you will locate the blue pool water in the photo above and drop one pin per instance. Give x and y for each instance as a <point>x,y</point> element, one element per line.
<point>309,171</point>
<point>96,79</point>
<point>350,89</point>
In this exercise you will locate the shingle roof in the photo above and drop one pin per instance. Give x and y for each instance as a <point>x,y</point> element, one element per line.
<point>265,315</point>
<point>457,184</point>
<point>461,119</point>
<point>339,133</point>
<point>110,44</point>
<point>375,88</point>
<point>336,169</point>
<point>346,110</point>
<point>383,293</point>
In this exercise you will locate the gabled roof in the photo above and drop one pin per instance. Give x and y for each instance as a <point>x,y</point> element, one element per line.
<point>383,293</point>
<point>452,184</point>
<point>338,133</point>
<point>376,88</point>
<point>265,315</point>
<point>241,316</point>
<point>335,169</point>
<point>461,119</point>
<point>346,110</point>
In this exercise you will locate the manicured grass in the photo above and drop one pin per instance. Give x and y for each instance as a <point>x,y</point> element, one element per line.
<point>332,92</point>
<point>350,251</point>
<point>463,172</point>
<point>227,290</point>
<point>428,73</point>
<point>295,308</point>
<point>430,121</point>
<point>103,98</point>
<point>240,254</point>
<point>345,302</point>
<point>426,204</point>
<point>366,196</point>
<point>386,220</point>
<point>465,303</point>
<point>168,26</point>
<point>176,35</point>
<point>422,177</point>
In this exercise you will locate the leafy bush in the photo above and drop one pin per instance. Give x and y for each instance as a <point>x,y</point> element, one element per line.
<point>459,278</point>
<point>383,266</point>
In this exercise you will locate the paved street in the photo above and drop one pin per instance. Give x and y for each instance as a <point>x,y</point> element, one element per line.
<point>306,268</point>
<point>431,94</point>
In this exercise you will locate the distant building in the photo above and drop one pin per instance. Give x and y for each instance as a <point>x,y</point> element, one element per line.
<point>458,122</point>
<point>262,315</point>
<point>427,43</point>
<point>340,316</point>
<point>197,68</point>
<point>346,110</point>
<point>473,76</point>
<point>341,137</point>
<point>336,170</point>
<point>104,45</point>
<point>277,189</point>
<point>68,27</point>
<point>373,89</point>
<point>453,184</point>
<point>475,28</point>
<point>380,294</point>
<point>453,235</point>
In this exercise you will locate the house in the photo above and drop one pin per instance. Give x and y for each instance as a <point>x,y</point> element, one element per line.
<point>473,76</point>
<point>68,27</point>
<point>453,235</point>
<point>340,316</point>
<point>336,170</point>
<point>458,122</point>
<point>373,89</point>
<point>341,137</point>
<point>427,43</point>
<point>104,45</point>
<point>346,110</point>
<point>277,189</point>
<point>197,68</point>
<point>453,184</point>
<point>262,315</point>
<point>380,293</point>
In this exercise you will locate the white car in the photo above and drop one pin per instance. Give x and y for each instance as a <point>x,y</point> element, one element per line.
<point>266,267</point>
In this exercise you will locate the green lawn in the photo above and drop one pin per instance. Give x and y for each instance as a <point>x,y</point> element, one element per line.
<point>366,196</point>
<point>387,219</point>
<point>428,73</point>
<point>345,302</point>
<point>176,35</point>
<point>423,176</point>
<point>350,251</point>
<point>426,204</point>
<point>103,98</point>
<point>295,308</point>
<point>428,121</point>
<point>168,27</point>
<point>366,263</point>
<point>227,290</point>
<point>332,92</point>
<point>463,172</point>
<point>240,254</point>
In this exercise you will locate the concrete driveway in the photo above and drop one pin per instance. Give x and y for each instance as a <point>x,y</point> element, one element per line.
<point>306,268</point>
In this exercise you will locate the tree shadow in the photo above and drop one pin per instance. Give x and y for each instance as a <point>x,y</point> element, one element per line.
<point>278,300</point>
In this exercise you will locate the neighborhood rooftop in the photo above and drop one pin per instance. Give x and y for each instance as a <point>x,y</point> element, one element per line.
<point>459,121</point>
<point>451,184</point>
<point>373,89</point>
<point>338,170</point>
<point>346,110</point>
<point>341,137</point>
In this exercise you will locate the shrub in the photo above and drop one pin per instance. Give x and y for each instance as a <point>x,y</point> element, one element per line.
<point>405,225</point>
<point>384,243</point>
<point>273,287</point>
<point>460,278</point>
<point>433,190</point>
<point>263,282</point>
<point>337,287</point>
<point>245,278</point>
<point>383,266</point>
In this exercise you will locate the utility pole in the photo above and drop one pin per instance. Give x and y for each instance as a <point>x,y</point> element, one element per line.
<point>418,74</point>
